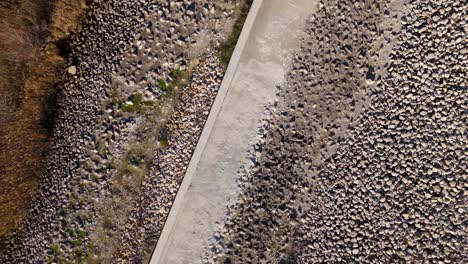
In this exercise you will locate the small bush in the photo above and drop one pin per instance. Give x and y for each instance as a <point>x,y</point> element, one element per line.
<point>81,233</point>
<point>78,256</point>
<point>116,97</point>
<point>77,243</point>
<point>71,232</point>
<point>82,185</point>
<point>56,250</point>
<point>86,165</point>
<point>164,143</point>
<point>149,103</point>
<point>111,165</point>
<point>179,79</point>
<point>107,223</point>
<point>162,85</point>
<point>74,196</point>
<point>136,106</point>
<point>91,246</point>
<point>94,177</point>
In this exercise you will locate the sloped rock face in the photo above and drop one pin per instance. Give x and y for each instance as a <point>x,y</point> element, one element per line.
<point>130,47</point>
<point>395,190</point>
<point>161,184</point>
<point>364,156</point>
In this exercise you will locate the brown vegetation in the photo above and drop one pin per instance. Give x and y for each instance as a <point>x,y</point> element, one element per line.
<point>29,73</point>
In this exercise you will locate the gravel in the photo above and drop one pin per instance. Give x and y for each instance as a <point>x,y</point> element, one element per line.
<point>161,185</point>
<point>364,159</point>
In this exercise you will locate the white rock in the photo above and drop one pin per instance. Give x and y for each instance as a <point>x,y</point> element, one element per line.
<point>72,70</point>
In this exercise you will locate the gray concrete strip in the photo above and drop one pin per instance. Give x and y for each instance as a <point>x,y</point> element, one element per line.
<point>271,33</point>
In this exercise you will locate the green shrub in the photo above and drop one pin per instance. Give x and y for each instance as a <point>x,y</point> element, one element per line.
<point>115,96</point>
<point>81,233</point>
<point>136,106</point>
<point>77,243</point>
<point>164,143</point>
<point>111,165</point>
<point>94,177</point>
<point>162,85</point>
<point>91,246</point>
<point>86,165</point>
<point>78,256</point>
<point>56,250</point>
<point>71,232</point>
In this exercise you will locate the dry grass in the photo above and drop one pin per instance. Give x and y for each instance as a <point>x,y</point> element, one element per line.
<point>226,49</point>
<point>29,73</point>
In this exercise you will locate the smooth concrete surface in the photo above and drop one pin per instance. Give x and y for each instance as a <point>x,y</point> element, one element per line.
<point>271,34</point>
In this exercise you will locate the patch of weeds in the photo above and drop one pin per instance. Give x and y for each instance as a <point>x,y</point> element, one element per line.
<point>71,232</point>
<point>131,170</point>
<point>111,165</point>
<point>91,259</point>
<point>91,246</point>
<point>65,223</point>
<point>226,49</point>
<point>134,158</point>
<point>61,260</point>
<point>74,196</point>
<point>86,218</point>
<point>136,105</point>
<point>71,204</point>
<point>78,242</point>
<point>164,143</point>
<point>81,233</point>
<point>56,250</point>
<point>82,185</point>
<point>139,152</point>
<point>179,78</point>
<point>133,164</point>
<point>163,138</point>
<point>169,92</point>
<point>107,223</point>
<point>116,97</point>
<point>78,256</point>
<point>153,113</point>
<point>149,103</point>
<point>94,177</point>
<point>101,146</point>
<point>162,85</point>
<point>86,165</point>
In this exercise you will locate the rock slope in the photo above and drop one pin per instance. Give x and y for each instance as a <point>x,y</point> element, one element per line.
<point>161,184</point>
<point>127,99</point>
<point>364,158</point>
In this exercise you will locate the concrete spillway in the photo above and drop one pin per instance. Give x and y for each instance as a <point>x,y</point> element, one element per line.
<point>271,34</point>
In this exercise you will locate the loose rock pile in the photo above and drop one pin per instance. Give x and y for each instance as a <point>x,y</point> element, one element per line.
<point>94,131</point>
<point>364,159</point>
<point>397,189</point>
<point>162,183</point>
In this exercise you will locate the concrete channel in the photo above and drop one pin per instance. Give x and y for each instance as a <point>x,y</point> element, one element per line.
<point>272,32</point>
